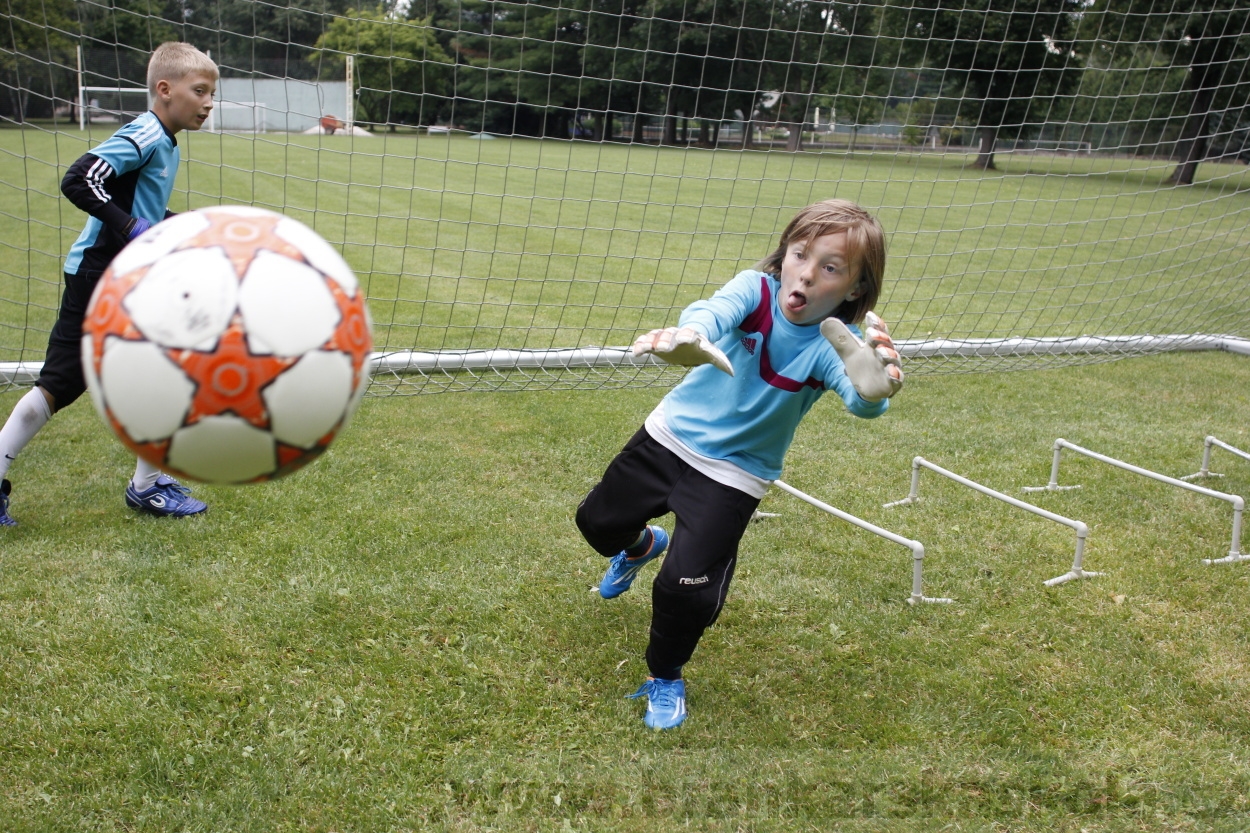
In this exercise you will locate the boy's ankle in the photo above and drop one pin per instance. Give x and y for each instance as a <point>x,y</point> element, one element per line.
<point>640,547</point>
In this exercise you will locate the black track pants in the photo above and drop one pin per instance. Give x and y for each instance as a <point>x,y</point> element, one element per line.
<point>643,482</point>
<point>62,373</point>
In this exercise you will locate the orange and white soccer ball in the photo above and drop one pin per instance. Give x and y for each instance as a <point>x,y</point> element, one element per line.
<point>227,345</point>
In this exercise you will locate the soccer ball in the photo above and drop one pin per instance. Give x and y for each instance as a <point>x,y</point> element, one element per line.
<point>227,345</point>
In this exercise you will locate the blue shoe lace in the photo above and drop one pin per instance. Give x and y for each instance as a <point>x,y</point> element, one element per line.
<point>666,702</point>
<point>622,570</point>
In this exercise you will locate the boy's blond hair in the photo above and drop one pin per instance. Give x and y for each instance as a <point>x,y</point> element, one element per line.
<point>865,249</point>
<point>173,61</point>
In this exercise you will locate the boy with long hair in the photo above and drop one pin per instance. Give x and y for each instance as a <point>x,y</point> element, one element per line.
<point>767,345</point>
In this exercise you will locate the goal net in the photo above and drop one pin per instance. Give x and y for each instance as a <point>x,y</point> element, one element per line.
<point>523,187</point>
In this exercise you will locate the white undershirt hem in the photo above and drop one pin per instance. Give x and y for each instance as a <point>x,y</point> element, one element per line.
<point>722,471</point>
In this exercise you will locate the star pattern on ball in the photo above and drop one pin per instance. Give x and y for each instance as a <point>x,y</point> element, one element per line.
<point>242,238</point>
<point>233,378</point>
<point>231,404</point>
<point>107,315</point>
<point>352,335</point>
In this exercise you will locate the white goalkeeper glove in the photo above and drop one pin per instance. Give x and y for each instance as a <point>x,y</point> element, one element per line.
<point>874,368</point>
<point>686,347</point>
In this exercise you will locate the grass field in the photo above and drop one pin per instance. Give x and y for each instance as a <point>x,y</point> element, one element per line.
<point>404,637</point>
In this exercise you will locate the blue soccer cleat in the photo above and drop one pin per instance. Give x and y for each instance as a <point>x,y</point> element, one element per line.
<point>167,498</point>
<point>622,570</point>
<point>5,489</point>
<point>666,702</point>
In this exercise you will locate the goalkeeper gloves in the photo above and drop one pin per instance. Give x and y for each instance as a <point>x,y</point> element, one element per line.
<point>136,226</point>
<point>874,368</point>
<point>685,346</point>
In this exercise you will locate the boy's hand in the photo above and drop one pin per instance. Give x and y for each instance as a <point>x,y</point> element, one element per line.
<point>873,368</point>
<point>686,347</point>
<point>138,225</point>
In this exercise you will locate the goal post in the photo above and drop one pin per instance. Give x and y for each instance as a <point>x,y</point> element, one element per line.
<point>521,185</point>
<point>114,105</point>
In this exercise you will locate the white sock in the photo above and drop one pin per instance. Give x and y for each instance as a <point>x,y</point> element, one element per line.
<point>145,475</point>
<point>31,413</point>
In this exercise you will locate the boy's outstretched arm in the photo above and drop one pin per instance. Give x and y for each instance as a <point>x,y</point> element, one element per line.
<point>872,365</point>
<point>683,346</point>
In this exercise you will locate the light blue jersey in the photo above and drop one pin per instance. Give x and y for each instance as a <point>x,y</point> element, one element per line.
<point>134,171</point>
<point>780,368</point>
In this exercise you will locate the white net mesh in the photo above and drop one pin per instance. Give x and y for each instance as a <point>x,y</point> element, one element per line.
<point>529,180</point>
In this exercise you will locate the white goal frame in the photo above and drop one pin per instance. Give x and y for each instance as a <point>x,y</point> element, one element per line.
<point>84,90</point>
<point>917,549</point>
<point>1207,445</point>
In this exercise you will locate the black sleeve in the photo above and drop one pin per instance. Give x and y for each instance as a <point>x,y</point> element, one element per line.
<point>84,185</point>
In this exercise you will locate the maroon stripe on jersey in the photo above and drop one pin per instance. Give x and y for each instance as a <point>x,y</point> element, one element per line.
<point>761,321</point>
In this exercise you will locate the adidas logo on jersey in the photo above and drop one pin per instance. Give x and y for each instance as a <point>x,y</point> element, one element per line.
<point>749,344</point>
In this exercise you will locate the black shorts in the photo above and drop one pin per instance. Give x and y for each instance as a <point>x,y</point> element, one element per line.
<point>62,374</point>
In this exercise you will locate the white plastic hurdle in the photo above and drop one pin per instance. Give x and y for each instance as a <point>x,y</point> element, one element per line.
<point>1205,471</point>
<point>1239,504</point>
<point>1082,531</point>
<point>917,548</point>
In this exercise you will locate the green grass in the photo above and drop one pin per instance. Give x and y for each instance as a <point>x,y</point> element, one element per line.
<point>404,637</point>
<point>520,243</point>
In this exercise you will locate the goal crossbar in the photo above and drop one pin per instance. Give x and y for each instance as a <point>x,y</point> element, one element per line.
<point>410,362</point>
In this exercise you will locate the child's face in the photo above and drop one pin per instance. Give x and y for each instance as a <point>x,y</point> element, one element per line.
<point>185,104</point>
<point>816,278</point>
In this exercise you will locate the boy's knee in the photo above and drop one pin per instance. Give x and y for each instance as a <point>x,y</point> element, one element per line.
<point>48,398</point>
<point>60,394</point>
<point>585,523</point>
<point>601,539</point>
<point>696,600</point>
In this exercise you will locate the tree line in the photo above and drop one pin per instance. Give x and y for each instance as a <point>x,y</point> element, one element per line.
<point>1144,76</point>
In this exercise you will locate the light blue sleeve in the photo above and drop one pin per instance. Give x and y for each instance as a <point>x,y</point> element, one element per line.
<point>120,152</point>
<point>726,309</point>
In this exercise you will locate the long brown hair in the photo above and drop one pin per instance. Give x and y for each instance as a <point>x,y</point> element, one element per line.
<point>865,245</point>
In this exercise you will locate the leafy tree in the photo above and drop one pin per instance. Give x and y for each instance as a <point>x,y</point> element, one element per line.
<point>36,57</point>
<point>519,65</point>
<point>827,46</point>
<point>1005,67</point>
<point>1208,38</point>
<point>399,65</point>
<point>1127,97</point>
<point>725,60</point>
<point>137,25</point>
<point>269,39</point>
